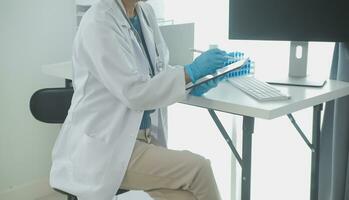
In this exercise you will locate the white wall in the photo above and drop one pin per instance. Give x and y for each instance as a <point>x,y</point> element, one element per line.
<point>32,33</point>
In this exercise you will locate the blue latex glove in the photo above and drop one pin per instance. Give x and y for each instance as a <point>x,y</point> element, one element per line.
<point>205,87</point>
<point>207,63</point>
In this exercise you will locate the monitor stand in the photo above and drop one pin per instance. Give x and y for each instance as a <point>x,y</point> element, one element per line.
<point>297,74</point>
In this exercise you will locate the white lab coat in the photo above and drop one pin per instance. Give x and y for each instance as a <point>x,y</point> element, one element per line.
<point>112,90</point>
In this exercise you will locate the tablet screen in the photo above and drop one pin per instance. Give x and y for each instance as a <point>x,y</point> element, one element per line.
<point>219,72</point>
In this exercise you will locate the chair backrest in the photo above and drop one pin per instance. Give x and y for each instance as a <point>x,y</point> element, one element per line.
<point>51,105</point>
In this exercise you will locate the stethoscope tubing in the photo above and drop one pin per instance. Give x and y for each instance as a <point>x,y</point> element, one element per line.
<point>138,38</point>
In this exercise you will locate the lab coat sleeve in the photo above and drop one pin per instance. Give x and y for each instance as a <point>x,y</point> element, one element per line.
<point>111,60</point>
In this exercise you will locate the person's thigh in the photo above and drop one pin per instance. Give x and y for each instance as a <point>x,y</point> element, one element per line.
<point>153,167</point>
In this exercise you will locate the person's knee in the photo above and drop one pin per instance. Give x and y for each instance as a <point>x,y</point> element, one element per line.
<point>204,163</point>
<point>205,166</point>
<point>198,162</point>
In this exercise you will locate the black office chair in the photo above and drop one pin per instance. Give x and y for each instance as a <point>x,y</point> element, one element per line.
<point>51,105</point>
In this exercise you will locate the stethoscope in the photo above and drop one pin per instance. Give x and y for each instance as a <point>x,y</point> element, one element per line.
<point>159,64</point>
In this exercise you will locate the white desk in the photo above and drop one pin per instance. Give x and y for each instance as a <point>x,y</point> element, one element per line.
<point>227,98</point>
<point>61,70</point>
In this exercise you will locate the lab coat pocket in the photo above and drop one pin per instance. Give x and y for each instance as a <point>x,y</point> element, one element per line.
<point>94,155</point>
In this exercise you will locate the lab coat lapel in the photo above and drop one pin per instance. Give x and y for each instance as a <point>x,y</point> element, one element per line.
<point>140,54</point>
<point>148,35</point>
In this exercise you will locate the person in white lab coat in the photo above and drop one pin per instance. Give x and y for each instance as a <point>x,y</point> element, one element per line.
<point>116,130</point>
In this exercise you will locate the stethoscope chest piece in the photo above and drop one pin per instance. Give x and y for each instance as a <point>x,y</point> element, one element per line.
<point>160,65</point>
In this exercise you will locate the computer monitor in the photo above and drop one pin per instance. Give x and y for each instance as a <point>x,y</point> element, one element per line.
<point>298,21</point>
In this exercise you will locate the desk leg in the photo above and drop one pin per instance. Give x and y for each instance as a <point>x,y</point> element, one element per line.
<point>248,129</point>
<point>245,161</point>
<point>225,135</point>
<point>315,154</point>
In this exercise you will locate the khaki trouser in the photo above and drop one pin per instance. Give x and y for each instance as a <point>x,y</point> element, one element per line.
<point>169,175</point>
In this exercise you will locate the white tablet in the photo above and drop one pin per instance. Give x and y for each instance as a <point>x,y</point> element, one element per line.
<point>220,72</point>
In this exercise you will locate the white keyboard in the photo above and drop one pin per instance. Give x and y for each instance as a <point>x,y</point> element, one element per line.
<point>258,89</point>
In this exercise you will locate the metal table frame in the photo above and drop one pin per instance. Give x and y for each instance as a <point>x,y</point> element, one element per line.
<point>245,160</point>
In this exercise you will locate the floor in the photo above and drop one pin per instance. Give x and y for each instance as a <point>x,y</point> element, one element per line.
<point>54,196</point>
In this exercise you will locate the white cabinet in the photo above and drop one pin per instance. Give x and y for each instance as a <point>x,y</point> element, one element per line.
<point>85,2</point>
<point>81,7</point>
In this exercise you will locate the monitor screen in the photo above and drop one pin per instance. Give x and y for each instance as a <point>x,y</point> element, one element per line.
<point>289,20</point>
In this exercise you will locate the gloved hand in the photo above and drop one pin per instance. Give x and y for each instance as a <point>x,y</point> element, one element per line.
<point>207,63</point>
<point>205,87</point>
